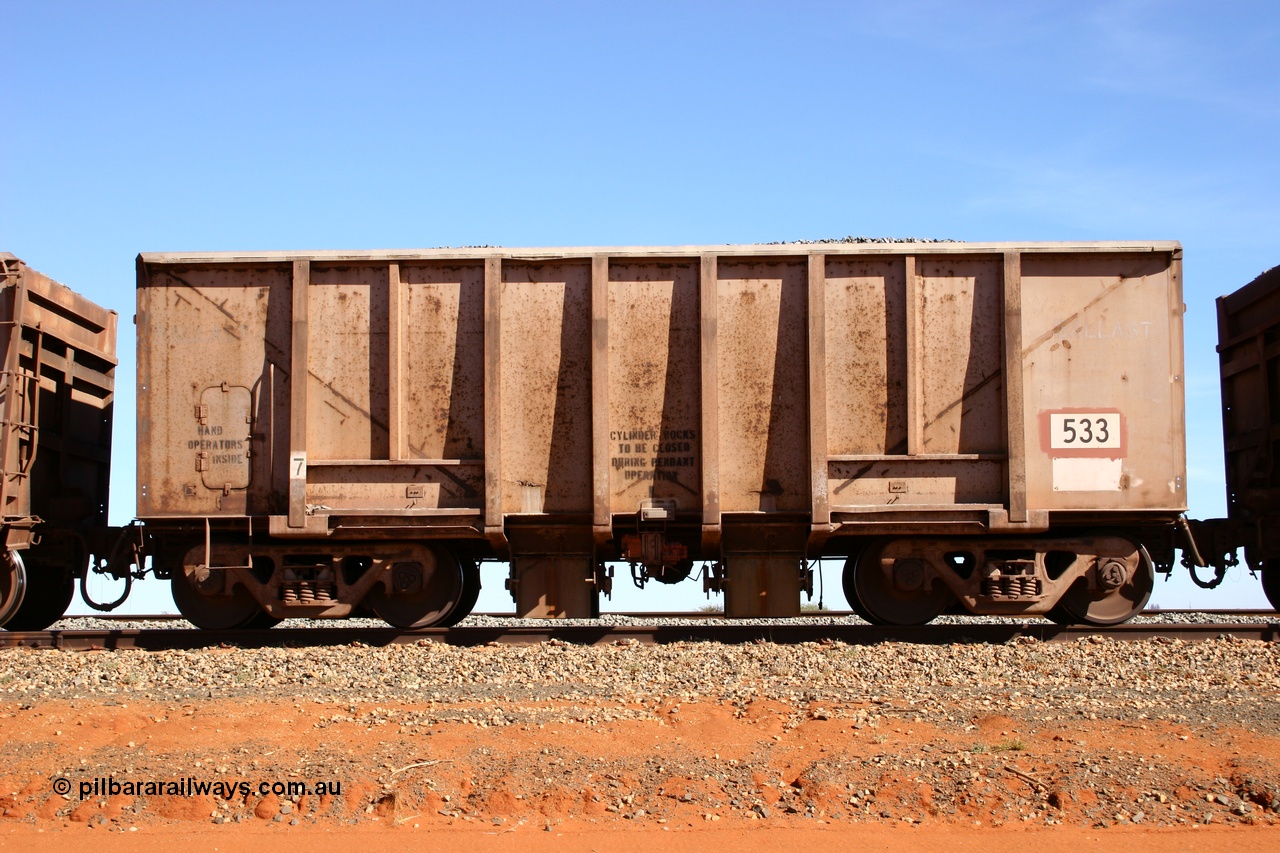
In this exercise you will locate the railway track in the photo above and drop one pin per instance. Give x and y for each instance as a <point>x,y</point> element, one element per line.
<point>158,639</point>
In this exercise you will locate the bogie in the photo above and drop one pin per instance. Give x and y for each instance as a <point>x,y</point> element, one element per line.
<point>1100,579</point>
<point>229,584</point>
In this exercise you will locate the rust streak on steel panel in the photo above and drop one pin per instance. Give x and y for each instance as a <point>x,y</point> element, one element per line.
<point>708,289</point>
<point>820,507</point>
<point>298,373</point>
<point>218,306</point>
<point>280,355</point>
<point>968,394</point>
<point>1071,318</point>
<point>356,407</point>
<point>1015,417</point>
<point>600,516</point>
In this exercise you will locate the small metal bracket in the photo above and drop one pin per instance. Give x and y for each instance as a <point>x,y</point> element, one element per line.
<point>713,578</point>
<point>603,579</point>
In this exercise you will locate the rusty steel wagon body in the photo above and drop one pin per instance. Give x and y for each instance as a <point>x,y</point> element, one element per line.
<point>56,393</point>
<point>995,428</point>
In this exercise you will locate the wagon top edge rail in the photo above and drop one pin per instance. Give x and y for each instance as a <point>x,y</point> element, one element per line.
<point>748,250</point>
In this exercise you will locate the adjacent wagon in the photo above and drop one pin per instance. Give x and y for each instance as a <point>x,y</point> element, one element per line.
<point>56,398</point>
<point>1249,357</point>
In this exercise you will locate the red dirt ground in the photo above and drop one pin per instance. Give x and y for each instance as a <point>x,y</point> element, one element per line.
<point>588,777</point>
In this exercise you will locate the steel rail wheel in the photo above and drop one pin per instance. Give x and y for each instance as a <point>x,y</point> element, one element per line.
<point>907,594</point>
<point>1122,586</point>
<point>427,586</point>
<point>851,593</point>
<point>13,585</point>
<point>49,593</point>
<point>470,593</point>
<point>1271,582</point>
<point>199,594</point>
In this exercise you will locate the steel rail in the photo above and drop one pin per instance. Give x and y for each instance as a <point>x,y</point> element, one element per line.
<point>1263,613</point>
<point>162,639</point>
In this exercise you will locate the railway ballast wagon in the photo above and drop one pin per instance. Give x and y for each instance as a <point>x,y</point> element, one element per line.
<point>994,428</point>
<point>56,397</point>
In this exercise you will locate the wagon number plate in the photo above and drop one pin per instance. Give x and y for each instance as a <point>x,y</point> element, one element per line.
<point>1085,431</point>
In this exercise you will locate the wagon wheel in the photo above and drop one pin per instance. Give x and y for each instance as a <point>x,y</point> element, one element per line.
<point>49,593</point>
<point>470,593</point>
<point>426,587</point>
<point>1122,587</point>
<point>13,585</point>
<point>1271,582</point>
<point>851,593</point>
<point>198,592</point>
<point>909,594</point>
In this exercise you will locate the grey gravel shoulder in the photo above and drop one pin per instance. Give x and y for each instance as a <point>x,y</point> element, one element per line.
<point>1159,678</point>
<point>480,620</point>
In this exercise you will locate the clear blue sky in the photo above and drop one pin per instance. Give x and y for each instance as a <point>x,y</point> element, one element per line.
<point>202,126</point>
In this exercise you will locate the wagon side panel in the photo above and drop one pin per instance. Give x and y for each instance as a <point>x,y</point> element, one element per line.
<point>1102,361</point>
<point>213,389</point>
<point>763,404</point>
<point>654,441</point>
<point>546,425</point>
